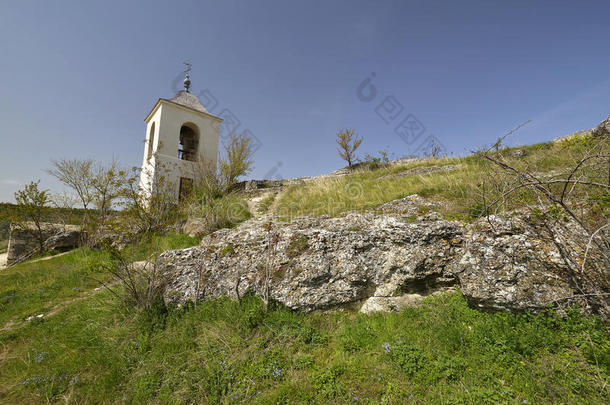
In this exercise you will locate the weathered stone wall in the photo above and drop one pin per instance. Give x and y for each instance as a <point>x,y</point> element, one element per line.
<point>23,240</point>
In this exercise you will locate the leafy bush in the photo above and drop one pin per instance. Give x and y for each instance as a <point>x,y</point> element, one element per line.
<point>326,381</point>
<point>409,358</point>
<point>140,284</point>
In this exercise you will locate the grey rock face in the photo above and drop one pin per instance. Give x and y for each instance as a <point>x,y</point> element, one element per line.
<point>385,260</point>
<point>194,227</point>
<point>603,129</point>
<point>23,241</point>
<point>518,153</point>
<point>506,267</point>
<point>63,239</point>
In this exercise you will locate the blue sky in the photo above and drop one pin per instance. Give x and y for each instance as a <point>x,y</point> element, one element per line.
<point>78,78</point>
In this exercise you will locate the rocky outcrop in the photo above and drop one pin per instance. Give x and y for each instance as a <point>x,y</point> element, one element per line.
<point>23,241</point>
<point>505,266</point>
<point>195,227</point>
<point>374,261</point>
<point>64,238</point>
<point>603,129</point>
<point>316,263</point>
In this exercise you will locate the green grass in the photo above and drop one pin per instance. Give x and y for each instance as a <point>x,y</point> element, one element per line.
<point>224,212</point>
<point>3,246</point>
<point>222,352</point>
<point>33,288</point>
<point>155,244</point>
<point>457,191</point>
<point>266,202</point>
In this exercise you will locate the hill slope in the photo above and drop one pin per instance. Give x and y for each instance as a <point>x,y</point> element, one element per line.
<point>89,347</point>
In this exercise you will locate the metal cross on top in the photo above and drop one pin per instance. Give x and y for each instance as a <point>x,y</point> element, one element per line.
<point>187,71</point>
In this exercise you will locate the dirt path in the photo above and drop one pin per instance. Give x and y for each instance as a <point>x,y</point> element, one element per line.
<point>4,255</point>
<point>42,259</point>
<point>254,203</point>
<point>63,304</point>
<point>13,323</point>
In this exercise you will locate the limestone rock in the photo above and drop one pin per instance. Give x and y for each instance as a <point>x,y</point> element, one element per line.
<point>23,241</point>
<point>390,304</point>
<point>63,239</point>
<point>603,129</point>
<point>507,267</point>
<point>383,259</point>
<point>317,263</point>
<point>195,227</point>
<point>519,153</point>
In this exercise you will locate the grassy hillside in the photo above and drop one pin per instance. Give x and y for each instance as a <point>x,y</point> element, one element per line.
<point>90,348</point>
<point>458,191</point>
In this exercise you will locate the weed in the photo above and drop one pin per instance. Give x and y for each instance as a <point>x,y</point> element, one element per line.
<point>298,244</point>
<point>227,250</point>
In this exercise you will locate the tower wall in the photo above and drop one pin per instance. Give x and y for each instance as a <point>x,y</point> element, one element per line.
<point>168,118</point>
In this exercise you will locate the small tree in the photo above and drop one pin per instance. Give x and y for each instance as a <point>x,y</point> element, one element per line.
<point>149,210</point>
<point>93,183</point>
<point>31,210</point>
<point>107,181</point>
<point>78,175</point>
<point>348,142</point>
<point>142,284</point>
<point>238,160</point>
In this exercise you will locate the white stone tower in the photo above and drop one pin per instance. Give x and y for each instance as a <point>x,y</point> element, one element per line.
<point>181,136</point>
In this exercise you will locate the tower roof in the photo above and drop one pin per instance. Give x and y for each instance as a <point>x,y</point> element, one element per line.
<point>186,99</point>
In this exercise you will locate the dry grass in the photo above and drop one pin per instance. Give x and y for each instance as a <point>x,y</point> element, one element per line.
<point>459,192</point>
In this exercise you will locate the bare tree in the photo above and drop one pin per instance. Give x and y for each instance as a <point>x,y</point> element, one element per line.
<point>348,143</point>
<point>107,181</point>
<point>93,183</point>
<point>77,175</point>
<point>568,206</point>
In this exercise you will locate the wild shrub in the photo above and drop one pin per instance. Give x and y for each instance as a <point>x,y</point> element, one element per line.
<point>407,357</point>
<point>211,199</point>
<point>325,381</point>
<point>568,207</point>
<point>141,285</point>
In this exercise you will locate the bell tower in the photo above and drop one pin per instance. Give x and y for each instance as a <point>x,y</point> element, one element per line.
<point>181,138</point>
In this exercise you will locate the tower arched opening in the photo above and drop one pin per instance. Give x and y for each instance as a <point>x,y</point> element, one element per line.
<point>189,142</point>
<point>151,141</point>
